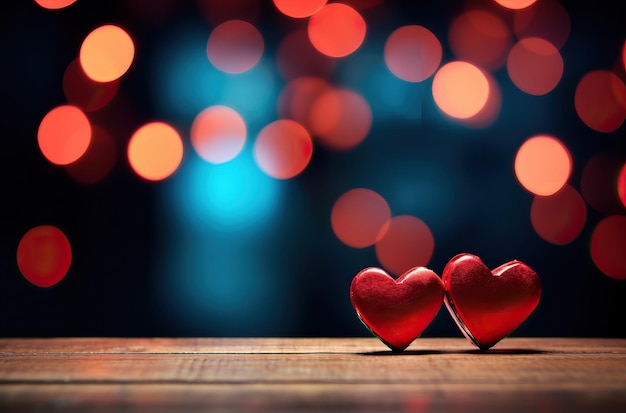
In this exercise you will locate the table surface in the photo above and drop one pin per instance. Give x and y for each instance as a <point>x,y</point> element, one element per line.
<point>311,375</point>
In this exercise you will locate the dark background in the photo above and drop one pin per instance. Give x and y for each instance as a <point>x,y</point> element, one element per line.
<point>139,269</point>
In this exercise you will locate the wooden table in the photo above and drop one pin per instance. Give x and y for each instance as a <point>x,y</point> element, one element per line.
<point>311,375</point>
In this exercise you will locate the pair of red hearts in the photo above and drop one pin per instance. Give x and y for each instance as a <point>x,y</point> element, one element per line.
<point>486,305</point>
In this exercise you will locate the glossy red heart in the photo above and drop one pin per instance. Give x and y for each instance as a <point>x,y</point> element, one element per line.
<point>488,305</point>
<point>396,311</point>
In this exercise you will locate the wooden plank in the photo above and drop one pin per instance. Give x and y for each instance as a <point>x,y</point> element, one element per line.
<point>189,345</point>
<point>257,345</point>
<point>312,397</point>
<point>310,374</point>
<point>446,367</point>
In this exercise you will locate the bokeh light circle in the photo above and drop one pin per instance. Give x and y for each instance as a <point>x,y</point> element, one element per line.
<point>412,53</point>
<point>490,112</point>
<point>55,4</point>
<point>299,8</point>
<point>608,246</point>
<point>99,159</point>
<point>337,30</point>
<point>84,92</point>
<point>543,165</point>
<point>535,66</point>
<point>64,134</point>
<point>155,151</point>
<point>460,89</point>
<point>297,98</point>
<point>340,119</point>
<point>559,218</point>
<point>545,19</point>
<point>598,182</point>
<point>600,101</point>
<point>407,243</point>
<point>359,217</point>
<point>107,53</point>
<point>218,134</point>
<point>283,149</point>
<point>515,4</point>
<point>235,46</point>
<point>44,255</point>
<point>481,38</point>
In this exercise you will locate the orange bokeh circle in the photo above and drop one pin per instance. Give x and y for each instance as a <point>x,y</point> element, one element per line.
<point>337,30</point>
<point>359,217</point>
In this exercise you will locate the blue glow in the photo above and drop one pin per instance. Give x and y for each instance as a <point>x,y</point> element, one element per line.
<point>231,197</point>
<point>184,81</point>
<point>389,96</point>
<point>224,286</point>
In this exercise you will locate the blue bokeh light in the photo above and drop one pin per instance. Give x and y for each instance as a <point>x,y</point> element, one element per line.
<point>184,82</point>
<point>233,197</point>
<point>216,271</point>
<point>222,285</point>
<point>388,96</point>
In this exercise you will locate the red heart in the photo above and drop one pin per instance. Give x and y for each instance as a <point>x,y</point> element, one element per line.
<point>396,311</point>
<point>488,305</point>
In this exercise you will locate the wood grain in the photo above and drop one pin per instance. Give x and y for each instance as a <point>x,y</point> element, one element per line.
<point>310,374</point>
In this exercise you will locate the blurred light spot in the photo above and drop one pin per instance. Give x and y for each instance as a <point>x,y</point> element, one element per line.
<point>535,66</point>
<point>360,217</point>
<point>560,217</point>
<point>490,112</point>
<point>299,8</point>
<point>608,246</point>
<point>340,119</point>
<point>283,149</point>
<point>298,97</point>
<point>412,53</point>
<point>44,255</point>
<point>599,180</point>
<point>546,19</point>
<point>235,46</point>
<point>229,197</point>
<point>107,53</point>
<point>98,160</point>
<point>155,151</point>
<point>460,89</point>
<point>621,185</point>
<point>218,134</point>
<point>84,92</point>
<point>480,38</point>
<point>543,165</point>
<point>515,4</point>
<point>54,4</point>
<point>389,97</point>
<point>337,30</point>
<point>64,134</point>
<point>219,11</point>
<point>185,83</point>
<point>600,101</point>
<point>297,57</point>
<point>407,243</point>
